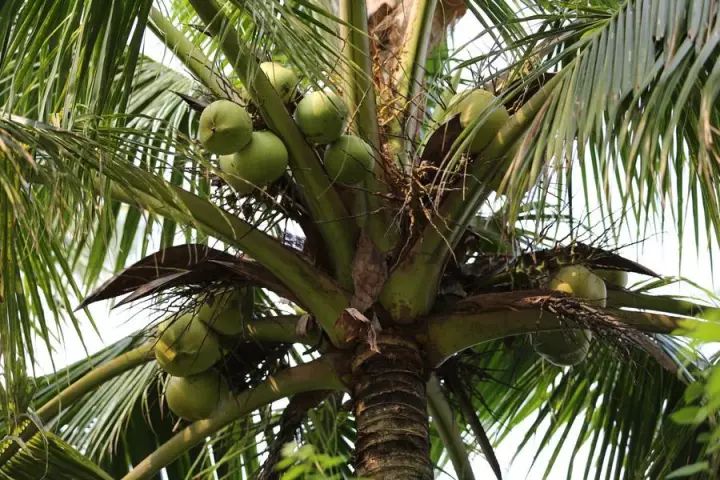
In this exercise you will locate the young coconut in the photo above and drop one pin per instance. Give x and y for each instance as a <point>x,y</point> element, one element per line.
<point>225,127</point>
<point>283,80</point>
<point>349,159</point>
<point>186,346</point>
<point>617,278</point>
<point>260,163</point>
<point>565,347</point>
<point>569,347</point>
<point>580,282</point>
<point>195,397</point>
<point>223,313</point>
<point>471,104</point>
<point>322,117</point>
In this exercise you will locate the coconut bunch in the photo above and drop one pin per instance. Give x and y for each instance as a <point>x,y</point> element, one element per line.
<point>247,159</point>
<point>189,346</point>
<point>250,160</point>
<point>569,346</point>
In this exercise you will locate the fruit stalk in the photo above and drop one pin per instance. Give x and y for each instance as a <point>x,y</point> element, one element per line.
<point>418,276</point>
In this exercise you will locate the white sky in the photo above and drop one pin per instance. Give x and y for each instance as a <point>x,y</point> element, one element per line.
<point>659,252</point>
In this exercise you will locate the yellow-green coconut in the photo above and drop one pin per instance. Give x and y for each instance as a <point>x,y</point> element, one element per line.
<point>569,346</point>
<point>283,79</point>
<point>349,159</point>
<point>322,117</point>
<point>471,105</point>
<point>225,127</point>
<point>195,397</point>
<point>186,347</point>
<point>223,313</point>
<point>260,163</point>
<point>565,347</point>
<point>580,282</point>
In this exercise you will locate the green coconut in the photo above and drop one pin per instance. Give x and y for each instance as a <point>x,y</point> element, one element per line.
<point>283,80</point>
<point>322,117</point>
<point>617,278</point>
<point>564,348</point>
<point>349,159</point>
<point>470,105</point>
<point>223,313</point>
<point>195,397</point>
<point>569,346</point>
<point>186,347</point>
<point>580,282</point>
<point>260,163</point>
<point>225,127</point>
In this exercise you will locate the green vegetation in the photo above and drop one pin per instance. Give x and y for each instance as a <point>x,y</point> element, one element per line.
<point>318,245</point>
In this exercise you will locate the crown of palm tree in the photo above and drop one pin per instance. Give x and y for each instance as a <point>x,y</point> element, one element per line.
<point>420,292</point>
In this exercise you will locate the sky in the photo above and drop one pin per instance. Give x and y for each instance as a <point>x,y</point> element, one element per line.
<point>659,251</point>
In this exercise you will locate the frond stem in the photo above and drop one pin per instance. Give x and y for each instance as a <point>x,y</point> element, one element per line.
<point>499,315</point>
<point>410,74</point>
<point>316,375</point>
<point>360,91</point>
<point>316,291</point>
<point>444,420</point>
<point>95,377</point>
<point>189,54</point>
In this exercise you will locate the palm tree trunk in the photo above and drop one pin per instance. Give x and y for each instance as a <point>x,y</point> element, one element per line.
<point>390,407</point>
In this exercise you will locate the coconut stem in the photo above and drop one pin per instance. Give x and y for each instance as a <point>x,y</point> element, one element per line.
<point>390,406</point>
<point>314,289</point>
<point>316,375</point>
<point>409,77</point>
<point>94,378</point>
<point>188,53</point>
<point>360,93</point>
<point>444,420</point>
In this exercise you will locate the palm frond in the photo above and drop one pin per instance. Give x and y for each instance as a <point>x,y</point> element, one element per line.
<point>635,105</point>
<point>45,455</point>
<point>616,403</point>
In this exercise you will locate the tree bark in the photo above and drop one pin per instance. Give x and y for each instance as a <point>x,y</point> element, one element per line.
<point>390,407</point>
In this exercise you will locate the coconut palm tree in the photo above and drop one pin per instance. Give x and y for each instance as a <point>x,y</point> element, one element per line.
<point>399,303</point>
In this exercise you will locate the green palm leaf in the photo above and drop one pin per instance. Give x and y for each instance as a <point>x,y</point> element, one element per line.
<point>47,456</point>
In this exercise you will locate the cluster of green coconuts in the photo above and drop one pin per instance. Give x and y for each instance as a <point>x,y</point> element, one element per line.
<point>253,159</point>
<point>187,348</point>
<point>570,346</point>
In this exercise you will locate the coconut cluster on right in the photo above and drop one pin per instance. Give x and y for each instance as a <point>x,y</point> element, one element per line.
<point>569,345</point>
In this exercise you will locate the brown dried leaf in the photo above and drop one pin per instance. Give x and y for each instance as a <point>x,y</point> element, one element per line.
<point>189,264</point>
<point>356,326</point>
<point>304,325</point>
